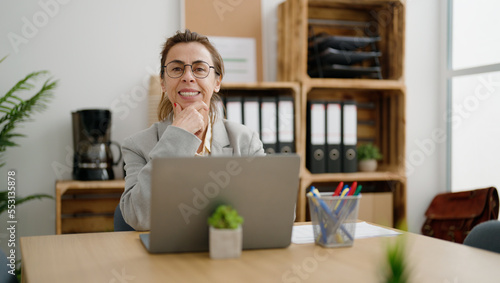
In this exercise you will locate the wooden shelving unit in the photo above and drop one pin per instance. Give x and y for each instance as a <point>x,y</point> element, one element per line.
<point>86,206</point>
<point>269,89</point>
<point>387,96</point>
<point>384,18</point>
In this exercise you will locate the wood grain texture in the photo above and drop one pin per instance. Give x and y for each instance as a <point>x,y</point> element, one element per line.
<point>95,200</point>
<point>107,257</point>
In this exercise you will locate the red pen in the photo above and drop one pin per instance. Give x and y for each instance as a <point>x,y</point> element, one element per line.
<point>339,188</point>
<point>353,188</point>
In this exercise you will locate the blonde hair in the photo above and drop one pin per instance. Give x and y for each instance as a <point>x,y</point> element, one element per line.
<point>165,107</point>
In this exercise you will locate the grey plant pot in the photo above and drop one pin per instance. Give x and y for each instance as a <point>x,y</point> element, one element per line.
<point>368,165</point>
<point>225,243</point>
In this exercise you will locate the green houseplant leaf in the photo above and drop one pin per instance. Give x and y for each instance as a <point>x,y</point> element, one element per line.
<point>4,198</point>
<point>16,110</point>
<point>13,111</point>
<point>225,217</point>
<point>368,151</point>
<point>396,268</point>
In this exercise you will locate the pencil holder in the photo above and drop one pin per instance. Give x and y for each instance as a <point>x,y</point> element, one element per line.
<point>334,219</point>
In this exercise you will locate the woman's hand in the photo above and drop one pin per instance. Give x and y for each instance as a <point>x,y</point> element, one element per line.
<point>193,118</point>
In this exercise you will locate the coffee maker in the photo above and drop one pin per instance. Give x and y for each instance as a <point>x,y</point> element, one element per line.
<point>93,158</point>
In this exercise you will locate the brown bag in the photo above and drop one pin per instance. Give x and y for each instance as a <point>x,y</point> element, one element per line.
<point>451,216</point>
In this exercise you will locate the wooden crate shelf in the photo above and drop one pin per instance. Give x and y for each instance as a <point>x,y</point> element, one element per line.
<point>350,177</point>
<point>273,89</point>
<point>384,117</point>
<point>385,19</point>
<point>381,102</point>
<point>355,84</point>
<point>86,206</point>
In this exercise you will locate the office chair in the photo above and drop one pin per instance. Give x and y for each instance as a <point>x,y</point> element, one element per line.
<point>485,236</point>
<point>4,268</point>
<point>119,222</point>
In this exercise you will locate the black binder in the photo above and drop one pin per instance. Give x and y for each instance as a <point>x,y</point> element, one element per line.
<point>286,132</point>
<point>349,137</point>
<point>234,109</point>
<point>251,113</point>
<point>269,124</point>
<point>316,137</point>
<point>333,136</point>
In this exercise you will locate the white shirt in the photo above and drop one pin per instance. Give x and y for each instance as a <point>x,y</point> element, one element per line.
<point>207,143</point>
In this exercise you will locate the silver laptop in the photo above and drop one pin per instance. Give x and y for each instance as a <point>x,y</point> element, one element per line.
<point>185,191</point>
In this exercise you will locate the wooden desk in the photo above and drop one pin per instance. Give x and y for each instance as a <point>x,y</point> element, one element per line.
<point>120,257</point>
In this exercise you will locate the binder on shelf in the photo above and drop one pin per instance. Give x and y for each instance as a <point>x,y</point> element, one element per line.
<point>286,132</point>
<point>333,137</point>
<point>234,109</point>
<point>316,137</point>
<point>251,113</point>
<point>349,137</point>
<point>269,124</point>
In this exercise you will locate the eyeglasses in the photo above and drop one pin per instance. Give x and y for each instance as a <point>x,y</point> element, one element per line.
<point>200,69</point>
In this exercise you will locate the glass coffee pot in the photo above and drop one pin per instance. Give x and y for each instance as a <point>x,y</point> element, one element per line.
<point>93,157</point>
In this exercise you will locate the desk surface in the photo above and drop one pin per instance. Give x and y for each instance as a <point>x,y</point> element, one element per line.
<point>120,257</point>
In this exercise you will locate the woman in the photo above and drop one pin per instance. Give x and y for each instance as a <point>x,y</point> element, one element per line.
<point>189,122</point>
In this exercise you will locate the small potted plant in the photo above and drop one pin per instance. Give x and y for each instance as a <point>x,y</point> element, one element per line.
<point>225,235</point>
<point>368,154</point>
<point>395,268</point>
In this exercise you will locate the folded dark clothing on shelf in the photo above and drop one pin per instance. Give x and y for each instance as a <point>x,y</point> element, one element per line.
<point>335,56</point>
<point>348,43</point>
<point>342,71</point>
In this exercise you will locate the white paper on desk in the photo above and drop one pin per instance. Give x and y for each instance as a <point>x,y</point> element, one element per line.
<point>365,230</point>
<point>303,234</point>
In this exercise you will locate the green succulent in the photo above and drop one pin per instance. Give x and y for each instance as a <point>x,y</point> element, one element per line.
<point>225,217</point>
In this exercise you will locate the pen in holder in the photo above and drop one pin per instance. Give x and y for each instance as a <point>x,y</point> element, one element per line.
<point>334,218</point>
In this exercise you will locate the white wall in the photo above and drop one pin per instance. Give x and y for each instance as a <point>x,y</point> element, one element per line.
<point>425,108</point>
<point>102,53</point>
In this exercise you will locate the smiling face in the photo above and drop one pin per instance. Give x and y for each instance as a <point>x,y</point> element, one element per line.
<point>188,89</point>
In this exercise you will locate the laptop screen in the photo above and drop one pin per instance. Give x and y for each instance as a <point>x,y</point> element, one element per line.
<point>185,192</point>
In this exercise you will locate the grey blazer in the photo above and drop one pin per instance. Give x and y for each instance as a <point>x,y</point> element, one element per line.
<point>162,140</point>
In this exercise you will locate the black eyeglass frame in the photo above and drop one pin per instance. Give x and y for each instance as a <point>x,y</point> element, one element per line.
<point>192,72</point>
